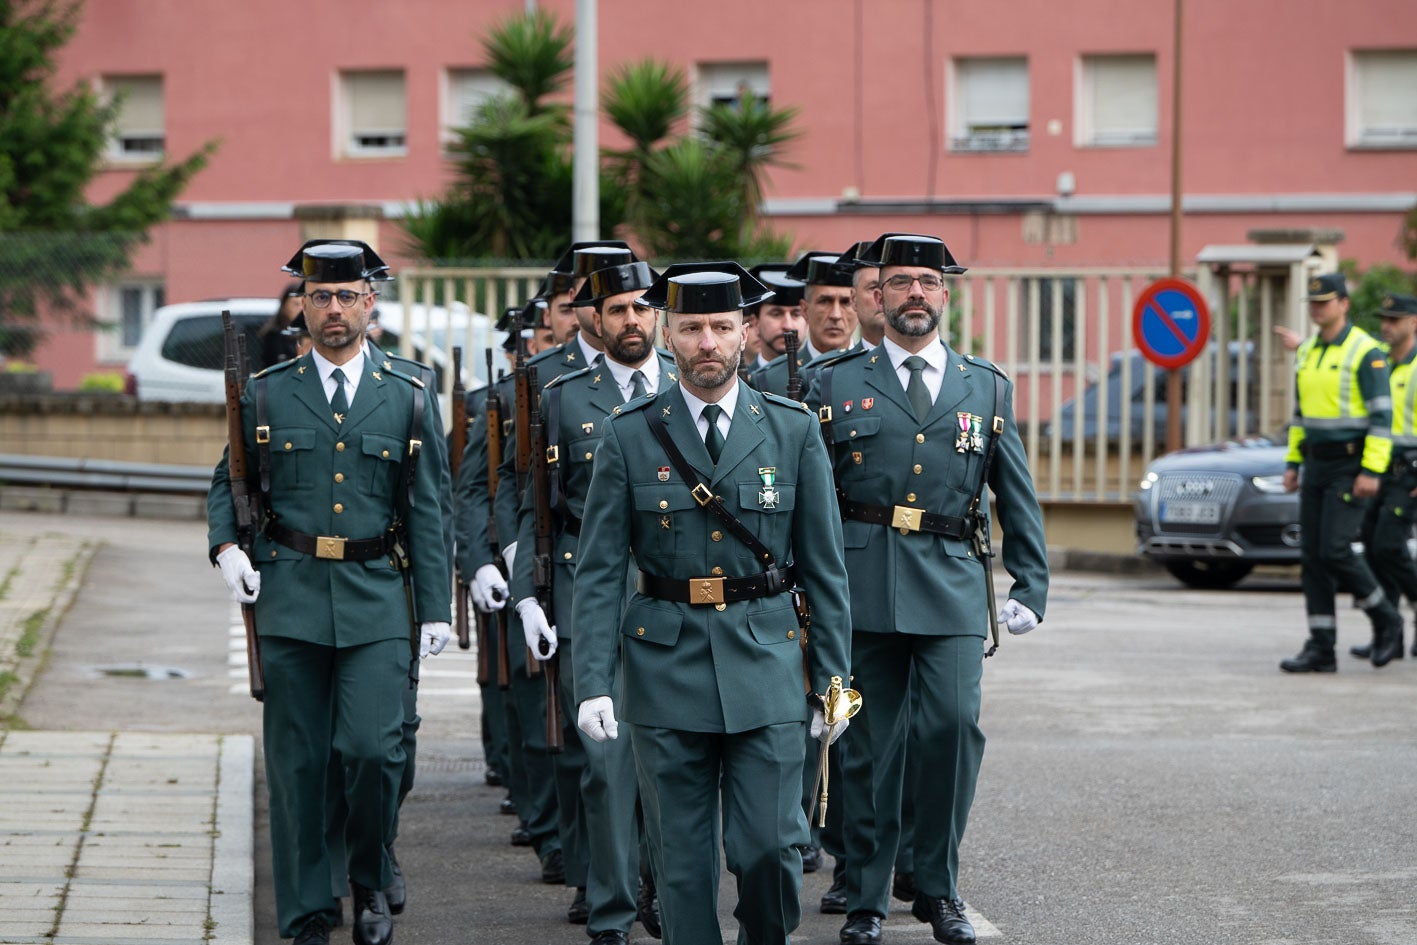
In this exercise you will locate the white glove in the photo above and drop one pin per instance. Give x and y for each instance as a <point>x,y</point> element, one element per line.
<point>536,628</point>
<point>242,580</point>
<point>432,638</point>
<point>489,590</point>
<point>509,556</point>
<point>1016,617</point>
<point>819,727</point>
<point>596,717</point>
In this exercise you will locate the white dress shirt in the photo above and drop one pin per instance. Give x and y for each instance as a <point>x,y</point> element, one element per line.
<point>935,361</point>
<point>725,419</point>
<point>624,375</point>
<point>353,370</point>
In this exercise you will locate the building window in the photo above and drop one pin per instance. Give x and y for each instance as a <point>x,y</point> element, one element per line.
<point>375,116</point>
<point>1116,101</point>
<point>728,83</point>
<point>138,126</point>
<point>990,104</point>
<point>464,91</point>
<point>1382,98</point>
<point>127,308</point>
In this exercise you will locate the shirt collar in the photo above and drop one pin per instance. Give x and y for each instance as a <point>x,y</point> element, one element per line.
<point>624,373</point>
<point>696,406</point>
<point>587,352</point>
<point>353,368</point>
<point>933,353</point>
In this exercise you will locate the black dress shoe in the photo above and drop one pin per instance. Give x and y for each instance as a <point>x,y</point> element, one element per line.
<point>903,887</point>
<point>861,928</point>
<point>811,859</point>
<point>611,937</point>
<point>579,912</point>
<point>507,805</point>
<point>397,893</point>
<point>553,868</point>
<point>1387,640</point>
<point>493,777</point>
<point>373,923</point>
<point>315,932</point>
<point>1310,660</point>
<point>647,908</point>
<point>339,914</point>
<point>834,899</point>
<point>521,836</point>
<point>946,918</point>
<point>1363,652</point>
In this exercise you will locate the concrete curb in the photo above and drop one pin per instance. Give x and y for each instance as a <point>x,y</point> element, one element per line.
<point>27,667</point>
<point>229,906</point>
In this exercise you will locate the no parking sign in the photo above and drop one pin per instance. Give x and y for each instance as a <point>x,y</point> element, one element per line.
<point>1171,323</point>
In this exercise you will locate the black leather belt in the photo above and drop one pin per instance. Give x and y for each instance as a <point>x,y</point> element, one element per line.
<point>1341,450</point>
<point>906,519</point>
<point>332,547</point>
<point>701,591</point>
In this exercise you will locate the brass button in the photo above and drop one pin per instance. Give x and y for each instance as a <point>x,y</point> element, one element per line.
<point>273,552</point>
<point>640,631</point>
<point>339,507</point>
<point>792,634</point>
<point>568,556</point>
<point>339,447</point>
<point>589,455</point>
<point>920,438</point>
<point>716,535</point>
<point>720,607</point>
<point>664,503</point>
<point>910,497</point>
<point>339,477</point>
<point>716,571</point>
<point>918,468</point>
<point>289,445</point>
<point>853,433</point>
<point>384,454</point>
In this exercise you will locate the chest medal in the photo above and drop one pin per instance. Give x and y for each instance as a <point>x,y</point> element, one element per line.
<point>768,494</point>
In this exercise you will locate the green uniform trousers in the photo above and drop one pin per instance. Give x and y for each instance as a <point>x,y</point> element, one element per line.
<point>494,716</point>
<point>322,699</point>
<point>533,784</point>
<point>939,723</point>
<point>1385,533</point>
<point>570,766</point>
<point>755,777</point>
<point>829,838</point>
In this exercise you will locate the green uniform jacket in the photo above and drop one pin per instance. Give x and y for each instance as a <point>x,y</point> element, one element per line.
<point>473,503</point>
<point>586,398</point>
<point>921,582</point>
<point>340,603</point>
<point>695,668</point>
<point>771,378</point>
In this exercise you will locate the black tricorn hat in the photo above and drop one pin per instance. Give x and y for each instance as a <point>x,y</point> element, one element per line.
<point>297,326</point>
<point>819,268</point>
<point>532,313</point>
<point>705,288</point>
<point>1330,285</point>
<point>853,257</point>
<point>615,280</point>
<point>1396,305</point>
<point>567,265</point>
<point>507,321</point>
<point>910,249</point>
<point>555,283</point>
<point>337,261</point>
<point>785,289</point>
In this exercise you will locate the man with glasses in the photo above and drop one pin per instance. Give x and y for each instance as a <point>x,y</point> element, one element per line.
<point>913,425</point>
<point>353,539</point>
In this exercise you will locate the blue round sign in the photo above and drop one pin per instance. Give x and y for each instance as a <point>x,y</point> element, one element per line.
<point>1171,323</point>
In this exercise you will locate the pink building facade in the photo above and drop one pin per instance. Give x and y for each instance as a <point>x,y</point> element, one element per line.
<point>1025,133</point>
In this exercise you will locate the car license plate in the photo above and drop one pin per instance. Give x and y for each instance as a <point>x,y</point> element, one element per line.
<point>1191,513</point>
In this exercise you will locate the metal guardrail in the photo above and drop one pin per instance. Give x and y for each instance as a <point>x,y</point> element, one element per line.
<point>66,472</point>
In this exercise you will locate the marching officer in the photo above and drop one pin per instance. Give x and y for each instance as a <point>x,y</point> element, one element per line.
<point>1389,522</point>
<point>827,311</point>
<point>573,407</point>
<point>353,539</point>
<point>1341,436</point>
<point>918,430</point>
<point>723,496</point>
<point>781,312</point>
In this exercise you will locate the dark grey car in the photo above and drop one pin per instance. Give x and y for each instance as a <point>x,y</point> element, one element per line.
<point>1209,514</point>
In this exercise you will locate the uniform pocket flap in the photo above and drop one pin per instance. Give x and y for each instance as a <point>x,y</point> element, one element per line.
<point>382,446</point>
<point>761,498</point>
<point>582,450</point>
<point>663,498</point>
<point>652,623</point>
<point>854,428</point>
<point>290,439</point>
<point>777,624</point>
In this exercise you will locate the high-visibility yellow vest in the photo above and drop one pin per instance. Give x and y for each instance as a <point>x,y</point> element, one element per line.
<point>1344,394</point>
<point>1404,402</point>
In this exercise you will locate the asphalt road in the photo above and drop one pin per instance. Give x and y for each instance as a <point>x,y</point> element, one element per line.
<point>1151,777</point>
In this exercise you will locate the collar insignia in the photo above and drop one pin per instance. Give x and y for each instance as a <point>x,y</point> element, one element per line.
<point>301,369</point>
<point>375,375</point>
<point>753,409</point>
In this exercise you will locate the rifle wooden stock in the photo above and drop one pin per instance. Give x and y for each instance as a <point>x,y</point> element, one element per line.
<point>456,446</point>
<point>245,504</point>
<point>484,649</point>
<point>794,378</point>
<point>494,459</point>
<point>523,383</point>
<point>542,575</point>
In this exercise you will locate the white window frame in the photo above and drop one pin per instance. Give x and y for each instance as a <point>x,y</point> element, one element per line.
<point>1003,131</point>
<point>355,142</point>
<point>459,85</point>
<point>109,346</point>
<point>716,82</point>
<point>1363,66</point>
<point>1098,74</point>
<point>134,145</point>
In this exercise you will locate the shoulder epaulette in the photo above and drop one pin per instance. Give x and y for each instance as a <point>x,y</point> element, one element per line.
<point>630,406</point>
<point>772,398</point>
<point>981,362</point>
<point>545,355</point>
<point>843,356</point>
<point>562,378</point>
<point>389,370</point>
<point>278,366</point>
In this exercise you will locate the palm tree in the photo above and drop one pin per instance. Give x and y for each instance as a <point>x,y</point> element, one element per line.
<point>756,134</point>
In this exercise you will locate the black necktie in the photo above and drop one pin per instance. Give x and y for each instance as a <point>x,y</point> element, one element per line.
<point>639,389</point>
<point>916,390</point>
<point>339,401</point>
<point>713,438</point>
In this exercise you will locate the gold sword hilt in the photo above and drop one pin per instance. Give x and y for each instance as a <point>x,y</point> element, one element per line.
<point>838,705</point>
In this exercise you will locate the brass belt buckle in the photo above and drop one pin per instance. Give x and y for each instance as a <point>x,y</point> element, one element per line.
<point>706,590</point>
<point>702,494</point>
<point>263,434</point>
<point>329,546</point>
<point>906,519</point>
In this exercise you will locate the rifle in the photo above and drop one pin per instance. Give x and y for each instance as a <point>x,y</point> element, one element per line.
<point>794,379</point>
<point>494,459</point>
<point>246,503</point>
<point>524,384</point>
<point>542,527</point>
<point>457,444</point>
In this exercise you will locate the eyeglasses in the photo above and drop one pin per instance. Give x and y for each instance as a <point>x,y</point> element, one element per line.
<point>347,297</point>
<point>928,282</point>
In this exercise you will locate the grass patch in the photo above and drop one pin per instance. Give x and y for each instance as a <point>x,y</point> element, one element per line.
<point>7,679</point>
<point>9,579</point>
<point>29,633</point>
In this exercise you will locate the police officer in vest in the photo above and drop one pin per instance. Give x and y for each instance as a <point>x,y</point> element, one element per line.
<point>1389,522</point>
<point>918,430</point>
<point>1341,437</point>
<point>723,497</point>
<point>353,528</point>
